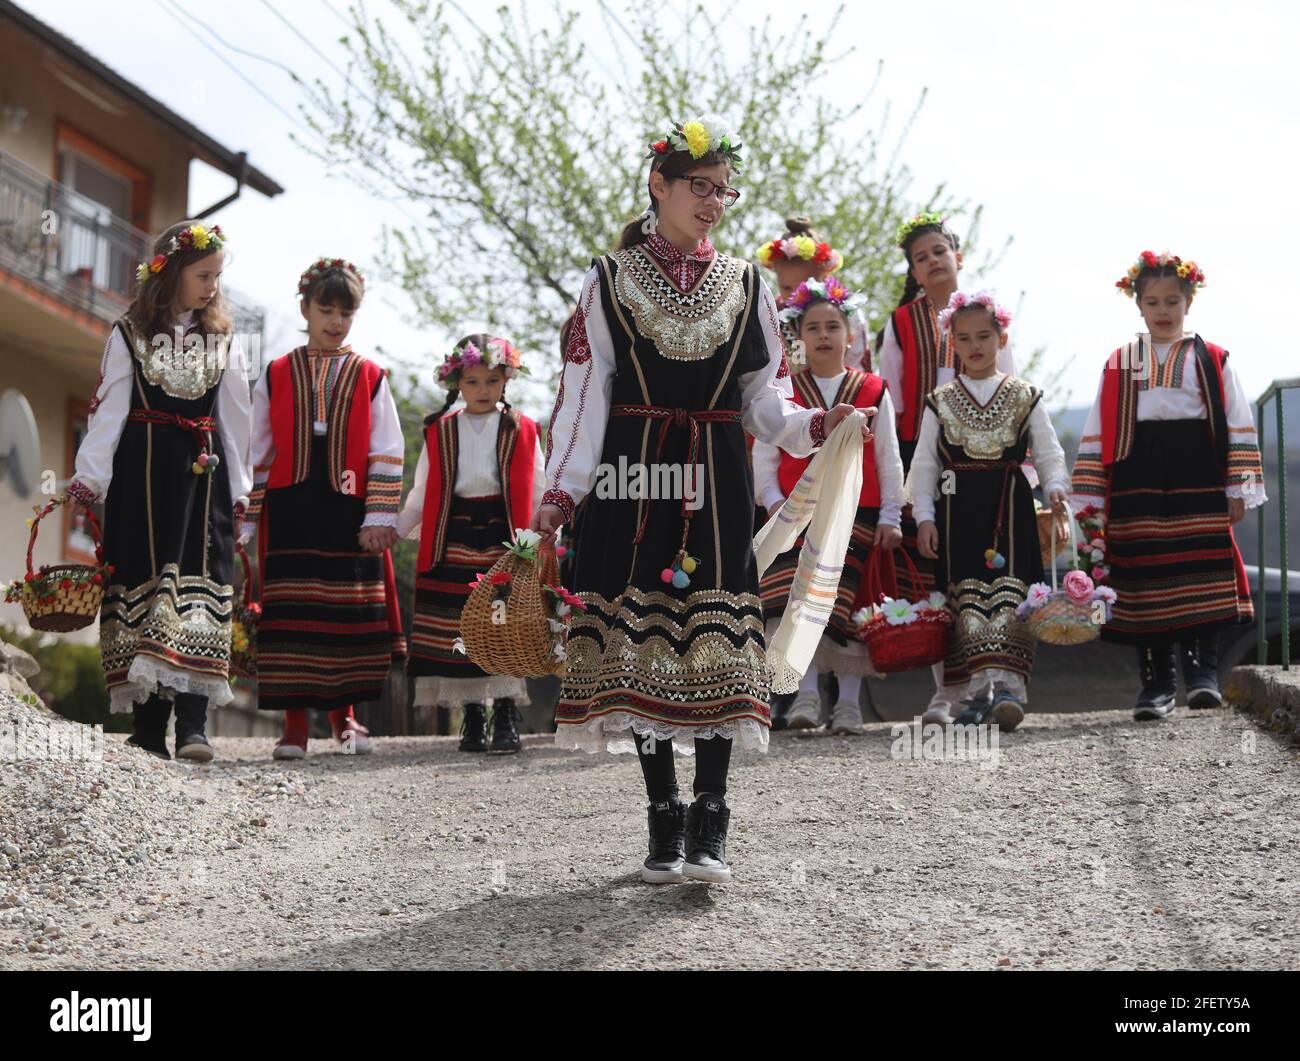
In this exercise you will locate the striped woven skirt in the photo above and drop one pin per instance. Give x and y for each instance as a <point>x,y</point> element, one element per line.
<point>330,624</point>
<point>1173,561</point>
<point>477,529</point>
<point>838,650</point>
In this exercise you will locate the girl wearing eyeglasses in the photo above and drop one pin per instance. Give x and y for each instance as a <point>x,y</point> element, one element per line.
<point>671,355</point>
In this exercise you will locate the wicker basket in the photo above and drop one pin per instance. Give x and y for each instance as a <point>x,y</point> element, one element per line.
<point>1052,535</point>
<point>515,639</point>
<point>905,646</point>
<point>67,608</point>
<point>243,660</point>
<point>1060,621</point>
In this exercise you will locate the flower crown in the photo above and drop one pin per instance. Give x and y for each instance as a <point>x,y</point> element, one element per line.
<point>324,265</point>
<point>829,290</point>
<point>196,237</point>
<point>1189,271</point>
<point>499,354</point>
<point>700,136</point>
<point>913,223</point>
<point>961,300</point>
<point>799,248</point>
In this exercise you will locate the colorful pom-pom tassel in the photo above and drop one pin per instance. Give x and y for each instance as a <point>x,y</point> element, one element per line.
<point>999,561</point>
<point>213,461</point>
<point>681,579</point>
<point>666,575</point>
<point>196,468</point>
<point>688,565</point>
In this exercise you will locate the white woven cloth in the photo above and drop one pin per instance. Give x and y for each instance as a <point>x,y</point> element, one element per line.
<point>825,500</point>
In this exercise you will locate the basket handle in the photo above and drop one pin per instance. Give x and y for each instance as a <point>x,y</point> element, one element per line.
<point>50,506</point>
<point>1074,543</point>
<point>251,592</point>
<point>875,579</point>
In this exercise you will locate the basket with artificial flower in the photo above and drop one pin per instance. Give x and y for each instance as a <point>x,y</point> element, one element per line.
<point>1072,614</point>
<point>243,626</point>
<point>516,620</point>
<point>1053,533</point>
<point>61,597</point>
<point>901,634</point>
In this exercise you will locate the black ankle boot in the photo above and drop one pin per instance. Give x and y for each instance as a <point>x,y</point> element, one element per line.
<point>1159,683</point>
<point>1200,659</point>
<point>473,729</point>
<point>667,820</point>
<point>191,721</point>
<point>149,726</point>
<point>505,732</point>
<point>706,840</point>
<point>781,704</point>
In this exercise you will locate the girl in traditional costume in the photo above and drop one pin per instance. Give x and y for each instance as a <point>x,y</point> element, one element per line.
<point>480,476</point>
<point>1170,459</point>
<point>672,353</point>
<point>327,460</point>
<point>916,356</point>
<point>974,436</point>
<point>167,453</point>
<point>821,314</point>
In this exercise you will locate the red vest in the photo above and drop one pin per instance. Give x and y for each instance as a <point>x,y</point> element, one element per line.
<point>860,389</point>
<point>924,348</point>
<point>516,461</point>
<point>347,421</point>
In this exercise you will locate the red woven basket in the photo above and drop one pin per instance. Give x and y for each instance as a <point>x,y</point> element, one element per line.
<point>905,646</point>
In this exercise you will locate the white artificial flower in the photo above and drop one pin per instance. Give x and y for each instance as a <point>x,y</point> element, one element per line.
<point>861,616</point>
<point>458,646</point>
<point>562,609</point>
<point>555,625</point>
<point>527,538</point>
<point>898,612</point>
<point>936,600</point>
<point>559,651</point>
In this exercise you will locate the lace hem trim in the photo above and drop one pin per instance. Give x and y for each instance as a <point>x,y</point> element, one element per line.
<point>431,690</point>
<point>148,676</point>
<point>611,733</point>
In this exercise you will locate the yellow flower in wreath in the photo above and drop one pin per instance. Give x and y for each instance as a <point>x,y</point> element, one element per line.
<point>697,139</point>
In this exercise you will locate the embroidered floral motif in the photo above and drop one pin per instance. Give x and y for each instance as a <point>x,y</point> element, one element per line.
<point>186,370</point>
<point>683,325</point>
<point>577,350</point>
<point>984,431</point>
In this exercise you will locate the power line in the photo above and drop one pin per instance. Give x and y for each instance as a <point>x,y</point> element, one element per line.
<point>233,47</point>
<point>333,11</point>
<point>299,34</point>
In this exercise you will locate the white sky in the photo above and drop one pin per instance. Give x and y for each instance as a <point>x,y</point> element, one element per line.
<point>1088,132</point>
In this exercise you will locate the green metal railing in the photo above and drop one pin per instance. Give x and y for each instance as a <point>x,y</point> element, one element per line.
<point>1275,391</point>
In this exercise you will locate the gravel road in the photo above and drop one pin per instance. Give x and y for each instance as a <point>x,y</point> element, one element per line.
<point>1091,842</point>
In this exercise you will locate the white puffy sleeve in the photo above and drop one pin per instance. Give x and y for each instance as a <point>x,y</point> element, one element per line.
<point>235,422</point>
<point>1245,471</point>
<point>109,406</point>
<point>767,485</point>
<point>923,476</point>
<point>410,519</point>
<point>891,368</point>
<point>889,464</point>
<point>1049,457</point>
<point>261,448</point>
<point>576,434</point>
<point>387,448</point>
<point>767,408</point>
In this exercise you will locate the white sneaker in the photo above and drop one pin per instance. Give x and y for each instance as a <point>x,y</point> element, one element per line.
<point>806,712</point>
<point>846,719</point>
<point>940,713</point>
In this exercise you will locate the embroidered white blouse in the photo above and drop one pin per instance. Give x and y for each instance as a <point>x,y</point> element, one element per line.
<point>477,474</point>
<point>387,447</point>
<point>112,403</point>
<point>923,477</point>
<point>889,465</point>
<point>577,427</point>
<point>1172,391</point>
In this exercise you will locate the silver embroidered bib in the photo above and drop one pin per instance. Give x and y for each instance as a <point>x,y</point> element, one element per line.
<point>188,370</point>
<point>684,326</point>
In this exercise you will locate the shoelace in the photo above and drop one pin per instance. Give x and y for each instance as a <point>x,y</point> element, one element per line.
<point>666,835</point>
<point>712,833</point>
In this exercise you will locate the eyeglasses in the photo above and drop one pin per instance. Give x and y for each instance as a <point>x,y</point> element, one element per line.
<point>702,188</point>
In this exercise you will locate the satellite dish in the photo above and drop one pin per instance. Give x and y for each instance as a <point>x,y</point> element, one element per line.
<point>20,443</point>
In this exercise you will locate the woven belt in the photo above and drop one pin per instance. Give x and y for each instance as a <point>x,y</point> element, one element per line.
<point>201,427</point>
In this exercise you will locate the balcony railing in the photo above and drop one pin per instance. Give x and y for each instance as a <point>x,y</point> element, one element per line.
<point>77,250</point>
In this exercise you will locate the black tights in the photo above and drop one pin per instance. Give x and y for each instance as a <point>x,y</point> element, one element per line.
<point>712,758</point>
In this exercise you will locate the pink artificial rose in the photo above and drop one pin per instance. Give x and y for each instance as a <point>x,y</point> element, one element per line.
<point>1098,573</point>
<point>1078,587</point>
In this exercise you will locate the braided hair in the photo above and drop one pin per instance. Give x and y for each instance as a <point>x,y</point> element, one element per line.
<point>480,340</point>
<point>912,286</point>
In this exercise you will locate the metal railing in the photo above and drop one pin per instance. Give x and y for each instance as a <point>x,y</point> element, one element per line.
<point>76,249</point>
<point>1275,392</point>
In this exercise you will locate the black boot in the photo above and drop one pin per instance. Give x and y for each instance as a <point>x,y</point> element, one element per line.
<point>191,720</point>
<point>1200,659</point>
<point>667,842</point>
<point>781,704</point>
<point>473,729</point>
<point>149,729</point>
<point>505,732</point>
<point>706,840</point>
<point>1159,683</point>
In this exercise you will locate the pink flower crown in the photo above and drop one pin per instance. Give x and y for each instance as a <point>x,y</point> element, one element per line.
<point>499,354</point>
<point>961,300</point>
<point>324,265</point>
<point>1189,271</point>
<point>829,290</point>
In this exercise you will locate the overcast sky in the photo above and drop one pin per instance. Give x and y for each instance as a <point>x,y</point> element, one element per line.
<point>1088,132</point>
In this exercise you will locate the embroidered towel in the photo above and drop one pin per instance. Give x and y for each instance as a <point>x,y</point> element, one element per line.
<point>826,496</point>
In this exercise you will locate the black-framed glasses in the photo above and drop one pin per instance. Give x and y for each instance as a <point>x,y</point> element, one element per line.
<point>702,188</point>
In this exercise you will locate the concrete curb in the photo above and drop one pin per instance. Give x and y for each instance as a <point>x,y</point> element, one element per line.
<point>1271,694</point>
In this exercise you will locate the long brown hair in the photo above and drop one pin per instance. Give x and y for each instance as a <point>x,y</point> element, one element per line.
<point>674,164</point>
<point>150,311</point>
<point>912,286</point>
